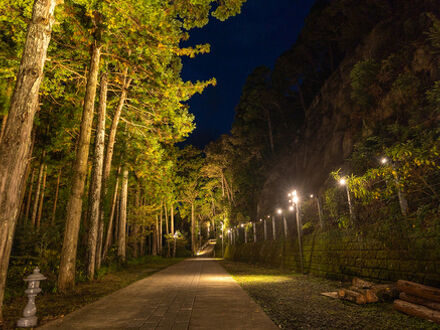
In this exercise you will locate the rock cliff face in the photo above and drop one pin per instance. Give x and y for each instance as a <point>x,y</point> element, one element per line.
<point>334,122</point>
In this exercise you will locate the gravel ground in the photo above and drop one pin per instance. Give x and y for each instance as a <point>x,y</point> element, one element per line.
<point>293,301</point>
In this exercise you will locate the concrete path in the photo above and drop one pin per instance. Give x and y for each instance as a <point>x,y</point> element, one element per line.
<point>193,294</point>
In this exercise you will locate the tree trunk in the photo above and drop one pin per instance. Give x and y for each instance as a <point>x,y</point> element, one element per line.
<point>117,212</point>
<point>123,217</point>
<point>15,143</point>
<point>108,162</point>
<point>161,230</point>
<point>417,310</point>
<point>37,195</point>
<point>419,301</point>
<point>54,210</point>
<point>95,191</point>
<point>137,204</point>
<point>66,278</point>
<point>419,290</point>
<point>154,240</point>
<point>28,203</point>
<point>193,231</point>
<point>108,239</point>
<point>3,127</point>
<point>167,230</point>
<point>172,218</point>
<point>40,206</point>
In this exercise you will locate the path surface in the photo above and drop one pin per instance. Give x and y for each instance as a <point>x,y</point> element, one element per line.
<point>193,294</point>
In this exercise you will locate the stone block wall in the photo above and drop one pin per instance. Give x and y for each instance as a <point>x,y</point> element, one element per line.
<point>342,254</point>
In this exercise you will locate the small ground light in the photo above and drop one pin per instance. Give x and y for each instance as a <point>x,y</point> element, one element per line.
<point>384,160</point>
<point>261,220</point>
<point>342,182</point>
<point>242,225</point>
<point>311,196</point>
<point>279,211</point>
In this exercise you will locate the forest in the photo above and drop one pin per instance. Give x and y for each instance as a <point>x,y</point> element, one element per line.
<point>94,169</point>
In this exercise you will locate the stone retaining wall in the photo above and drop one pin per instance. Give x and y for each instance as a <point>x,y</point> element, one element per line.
<point>342,254</point>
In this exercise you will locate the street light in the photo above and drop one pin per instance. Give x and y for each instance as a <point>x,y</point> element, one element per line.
<point>295,199</point>
<point>291,208</point>
<point>279,211</point>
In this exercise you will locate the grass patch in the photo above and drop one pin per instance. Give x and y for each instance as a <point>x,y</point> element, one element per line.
<point>293,301</point>
<point>112,278</point>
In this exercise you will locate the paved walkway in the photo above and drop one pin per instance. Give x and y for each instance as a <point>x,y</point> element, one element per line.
<point>193,294</point>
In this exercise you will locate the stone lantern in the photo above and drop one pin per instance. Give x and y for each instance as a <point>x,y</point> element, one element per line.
<point>29,319</point>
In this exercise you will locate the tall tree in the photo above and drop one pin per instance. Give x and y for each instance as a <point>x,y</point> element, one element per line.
<point>96,180</point>
<point>15,143</point>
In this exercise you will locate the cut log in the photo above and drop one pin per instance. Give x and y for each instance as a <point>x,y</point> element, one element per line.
<point>352,296</point>
<point>362,284</point>
<point>420,301</point>
<point>417,310</point>
<point>419,290</point>
<point>331,294</point>
<point>385,292</point>
<point>368,293</point>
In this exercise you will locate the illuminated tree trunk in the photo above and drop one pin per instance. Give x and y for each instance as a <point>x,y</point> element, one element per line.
<point>160,231</point>
<point>37,195</point>
<point>167,230</point>
<point>95,191</point>
<point>3,127</point>
<point>123,217</point>
<point>40,206</point>
<point>172,218</point>
<point>137,204</point>
<point>16,139</point>
<point>193,231</point>
<point>54,210</point>
<point>108,163</point>
<point>66,277</point>
<point>108,239</point>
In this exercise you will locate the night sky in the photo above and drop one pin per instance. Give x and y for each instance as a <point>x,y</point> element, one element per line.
<point>262,32</point>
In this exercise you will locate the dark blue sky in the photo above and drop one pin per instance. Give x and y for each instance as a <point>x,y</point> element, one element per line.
<point>261,33</point>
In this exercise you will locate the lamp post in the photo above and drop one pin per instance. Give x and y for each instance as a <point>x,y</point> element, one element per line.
<point>343,182</point>
<point>403,202</point>
<point>254,226</point>
<point>295,200</point>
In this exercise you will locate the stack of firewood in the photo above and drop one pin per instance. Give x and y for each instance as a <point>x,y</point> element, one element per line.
<point>364,292</point>
<point>418,300</point>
